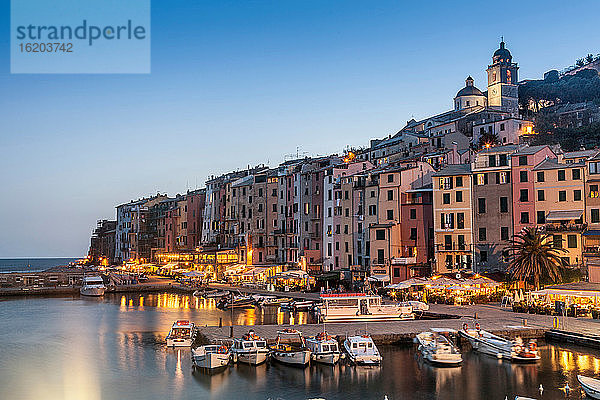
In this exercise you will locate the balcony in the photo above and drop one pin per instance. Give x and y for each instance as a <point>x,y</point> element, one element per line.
<point>560,227</point>
<point>454,246</point>
<point>591,251</point>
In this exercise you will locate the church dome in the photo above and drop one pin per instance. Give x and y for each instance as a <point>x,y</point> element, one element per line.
<point>502,54</point>
<point>469,89</point>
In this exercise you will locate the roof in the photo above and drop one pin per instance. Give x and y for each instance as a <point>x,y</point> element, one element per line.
<point>499,149</point>
<point>469,91</point>
<point>529,150</point>
<point>584,286</point>
<point>502,53</point>
<point>564,215</point>
<point>579,154</point>
<point>454,169</point>
<point>552,163</point>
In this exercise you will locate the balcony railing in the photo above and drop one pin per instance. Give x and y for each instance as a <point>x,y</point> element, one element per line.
<point>558,227</point>
<point>454,246</point>
<point>591,251</point>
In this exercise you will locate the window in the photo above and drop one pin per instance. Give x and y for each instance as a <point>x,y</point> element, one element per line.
<point>460,220</point>
<point>541,217</point>
<point>503,204</point>
<point>482,179</point>
<point>446,198</point>
<point>524,217</point>
<point>459,181</point>
<point>557,241</point>
<point>390,178</point>
<point>594,168</point>
<point>390,214</point>
<point>492,160</point>
<point>524,195</point>
<point>504,177</point>
<point>540,176</point>
<point>504,233</point>
<point>595,215</point>
<point>541,195</point>
<point>503,160</point>
<point>380,256</point>
<point>447,242</point>
<point>482,234</point>
<point>522,160</point>
<point>593,191</point>
<point>522,176</point>
<point>390,194</point>
<point>572,241</point>
<point>577,195</point>
<point>562,195</point>
<point>459,196</point>
<point>461,242</point>
<point>380,234</point>
<point>483,255</point>
<point>561,174</point>
<point>372,209</point>
<point>481,205</point>
<point>413,233</point>
<point>576,174</point>
<point>413,213</point>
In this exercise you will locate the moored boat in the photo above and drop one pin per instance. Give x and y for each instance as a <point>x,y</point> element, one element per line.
<point>92,286</point>
<point>238,301</point>
<point>513,350</point>
<point>250,349</point>
<point>275,301</point>
<point>182,334</point>
<point>211,357</point>
<point>324,349</point>
<point>214,294</point>
<point>362,350</point>
<point>290,348</point>
<point>438,349</point>
<point>360,307</point>
<point>590,386</point>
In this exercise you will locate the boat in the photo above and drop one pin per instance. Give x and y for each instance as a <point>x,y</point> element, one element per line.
<point>182,334</point>
<point>214,294</point>
<point>289,351</point>
<point>239,301</point>
<point>590,386</point>
<point>324,348</point>
<point>250,349</point>
<point>360,307</point>
<point>512,350</point>
<point>276,301</point>
<point>211,357</point>
<point>437,348</point>
<point>362,350</point>
<point>302,305</point>
<point>417,305</point>
<point>92,286</point>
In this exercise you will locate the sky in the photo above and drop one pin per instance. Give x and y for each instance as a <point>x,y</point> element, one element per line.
<point>239,83</point>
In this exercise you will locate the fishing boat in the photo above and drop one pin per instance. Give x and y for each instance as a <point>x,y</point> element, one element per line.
<point>488,343</point>
<point>290,348</point>
<point>302,305</point>
<point>275,301</point>
<point>214,294</point>
<point>250,349</point>
<point>92,286</point>
<point>239,301</point>
<point>182,334</point>
<point>211,357</point>
<point>324,348</point>
<point>362,350</point>
<point>590,386</point>
<point>360,307</point>
<point>437,348</point>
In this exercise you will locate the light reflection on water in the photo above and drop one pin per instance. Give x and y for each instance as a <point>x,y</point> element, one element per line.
<point>57,348</point>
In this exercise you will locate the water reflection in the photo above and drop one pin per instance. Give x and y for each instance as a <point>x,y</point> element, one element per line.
<point>112,348</point>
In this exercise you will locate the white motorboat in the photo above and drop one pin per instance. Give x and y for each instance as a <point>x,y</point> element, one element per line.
<point>214,294</point>
<point>590,386</point>
<point>324,349</point>
<point>302,305</point>
<point>211,357</point>
<point>512,350</point>
<point>290,348</point>
<point>92,286</point>
<point>417,306</point>
<point>275,301</point>
<point>238,301</point>
<point>250,349</point>
<point>438,349</point>
<point>182,334</point>
<point>362,350</point>
<point>360,307</point>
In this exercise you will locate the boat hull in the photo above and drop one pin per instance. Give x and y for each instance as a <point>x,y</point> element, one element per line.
<point>251,358</point>
<point>590,386</point>
<point>92,292</point>
<point>179,342</point>
<point>496,349</point>
<point>365,317</point>
<point>211,361</point>
<point>295,358</point>
<point>442,361</point>
<point>329,358</point>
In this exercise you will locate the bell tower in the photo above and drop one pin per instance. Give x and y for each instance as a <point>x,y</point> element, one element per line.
<point>503,90</point>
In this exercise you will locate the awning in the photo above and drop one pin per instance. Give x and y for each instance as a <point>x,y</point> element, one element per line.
<point>592,232</point>
<point>398,286</point>
<point>564,215</point>
<point>571,293</point>
<point>379,278</point>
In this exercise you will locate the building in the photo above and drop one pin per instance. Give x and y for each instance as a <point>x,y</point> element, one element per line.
<point>591,236</point>
<point>102,243</point>
<point>503,89</point>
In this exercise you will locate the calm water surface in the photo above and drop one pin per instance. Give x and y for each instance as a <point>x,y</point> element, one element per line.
<point>31,264</point>
<point>111,348</point>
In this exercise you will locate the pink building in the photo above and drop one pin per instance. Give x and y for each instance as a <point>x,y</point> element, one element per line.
<point>523,162</point>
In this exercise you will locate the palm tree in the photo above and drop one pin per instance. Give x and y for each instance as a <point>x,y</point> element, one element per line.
<point>533,255</point>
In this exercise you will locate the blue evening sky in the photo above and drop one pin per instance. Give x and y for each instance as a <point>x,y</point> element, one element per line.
<point>238,83</point>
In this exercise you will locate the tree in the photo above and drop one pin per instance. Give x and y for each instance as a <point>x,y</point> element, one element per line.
<point>534,256</point>
<point>589,58</point>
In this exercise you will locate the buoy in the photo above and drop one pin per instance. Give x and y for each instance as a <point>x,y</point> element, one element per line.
<point>541,389</point>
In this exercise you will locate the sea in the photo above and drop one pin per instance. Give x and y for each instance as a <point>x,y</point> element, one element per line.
<point>32,264</point>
